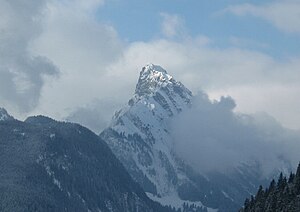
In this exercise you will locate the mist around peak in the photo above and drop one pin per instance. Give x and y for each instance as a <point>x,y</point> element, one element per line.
<point>210,137</point>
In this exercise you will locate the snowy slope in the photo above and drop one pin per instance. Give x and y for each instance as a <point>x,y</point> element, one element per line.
<point>4,116</point>
<point>143,127</point>
<point>139,136</point>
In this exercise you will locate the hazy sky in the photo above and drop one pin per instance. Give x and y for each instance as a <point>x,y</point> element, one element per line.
<point>62,56</point>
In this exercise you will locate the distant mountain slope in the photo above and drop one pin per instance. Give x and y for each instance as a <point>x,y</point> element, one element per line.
<point>47,165</point>
<point>140,137</point>
<point>4,116</point>
<point>280,196</point>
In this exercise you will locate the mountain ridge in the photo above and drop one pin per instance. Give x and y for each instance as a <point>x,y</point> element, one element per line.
<point>59,166</point>
<point>4,115</point>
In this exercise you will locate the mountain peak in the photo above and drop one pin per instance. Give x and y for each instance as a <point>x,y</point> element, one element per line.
<point>151,68</point>
<point>4,116</point>
<point>152,77</point>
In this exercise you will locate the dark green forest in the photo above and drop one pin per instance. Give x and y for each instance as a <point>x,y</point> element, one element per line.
<point>282,195</point>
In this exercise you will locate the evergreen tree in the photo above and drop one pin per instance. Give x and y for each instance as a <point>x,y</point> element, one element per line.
<point>247,204</point>
<point>279,197</point>
<point>272,186</point>
<point>282,182</point>
<point>297,181</point>
<point>259,199</point>
<point>291,178</point>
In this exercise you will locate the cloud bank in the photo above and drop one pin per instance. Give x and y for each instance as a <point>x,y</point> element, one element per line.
<point>282,14</point>
<point>230,71</point>
<point>211,137</point>
<point>82,48</point>
<point>96,115</point>
<point>21,73</point>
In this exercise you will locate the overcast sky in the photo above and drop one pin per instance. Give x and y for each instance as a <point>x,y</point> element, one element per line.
<point>62,56</point>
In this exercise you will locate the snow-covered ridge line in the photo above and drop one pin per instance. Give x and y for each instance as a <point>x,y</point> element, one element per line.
<point>4,116</point>
<point>141,138</point>
<point>152,78</point>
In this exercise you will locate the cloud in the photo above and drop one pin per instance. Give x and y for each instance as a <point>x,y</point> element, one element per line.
<point>87,5</point>
<point>211,137</point>
<point>247,43</point>
<point>82,48</point>
<point>96,115</point>
<point>21,73</point>
<point>282,14</point>
<point>96,64</point>
<point>229,71</point>
<point>280,100</point>
<point>172,25</point>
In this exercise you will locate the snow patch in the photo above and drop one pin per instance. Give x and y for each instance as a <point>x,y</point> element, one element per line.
<point>227,196</point>
<point>57,183</point>
<point>51,174</point>
<point>174,201</point>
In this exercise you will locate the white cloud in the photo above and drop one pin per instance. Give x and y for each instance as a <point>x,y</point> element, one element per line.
<point>82,48</point>
<point>285,15</point>
<point>235,72</point>
<point>277,99</point>
<point>172,25</point>
<point>87,5</point>
<point>96,64</point>
<point>247,43</point>
<point>21,73</point>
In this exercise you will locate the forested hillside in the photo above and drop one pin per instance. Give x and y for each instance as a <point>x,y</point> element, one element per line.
<point>283,195</point>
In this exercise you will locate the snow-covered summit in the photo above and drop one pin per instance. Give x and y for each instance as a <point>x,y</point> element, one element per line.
<point>139,132</point>
<point>4,116</point>
<point>152,77</point>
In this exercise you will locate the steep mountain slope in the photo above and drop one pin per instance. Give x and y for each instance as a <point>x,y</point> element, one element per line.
<point>140,137</point>
<point>283,196</point>
<point>54,166</point>
<point>139,132</point>
<point>4,116</point>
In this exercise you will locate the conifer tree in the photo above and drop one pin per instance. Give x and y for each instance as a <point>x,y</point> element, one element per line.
<point>291,178</point>
<point>280,196</point>
<point>297,181</point>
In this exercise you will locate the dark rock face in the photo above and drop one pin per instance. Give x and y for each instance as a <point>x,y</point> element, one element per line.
<point>53,166</point>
